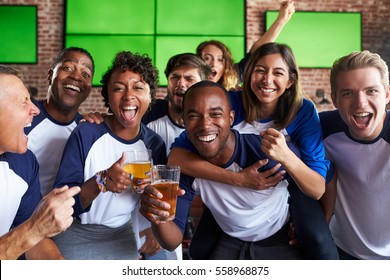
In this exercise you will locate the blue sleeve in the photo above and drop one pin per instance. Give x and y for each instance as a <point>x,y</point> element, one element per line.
<point>71,169</point>
<point>182,141</point>
<point>237,106</point>
<point>30,200</point>
<point>184,202</point>
<point>306,133</point>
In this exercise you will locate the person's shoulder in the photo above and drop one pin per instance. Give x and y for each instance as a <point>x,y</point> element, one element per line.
<point>386,134</point>
<point>308,105</point>
<point>158,110</point>
<point>24,158</point>
<point>89,132</point>
<point>78,117</point>
<point>25,165</point>
<point>331,122</point>
<point>150,134</point>
<point>326,116</point>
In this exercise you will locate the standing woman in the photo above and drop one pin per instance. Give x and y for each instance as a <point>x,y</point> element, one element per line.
<point>92,159</point>
<point>273,105</point>
<point>218,56</point>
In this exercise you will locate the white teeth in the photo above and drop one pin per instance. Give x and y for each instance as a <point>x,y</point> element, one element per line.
<point>362,115</point>
<point>73,87</point>
<point>207,138</point>
<point>128,108</point>
<point>267,90</point>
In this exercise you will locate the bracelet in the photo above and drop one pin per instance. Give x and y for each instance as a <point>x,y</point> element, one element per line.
<point>100,178</point>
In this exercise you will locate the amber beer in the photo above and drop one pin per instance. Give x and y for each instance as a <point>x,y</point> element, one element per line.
<point>138,164</point>
<point>139,169</point>
<point>165,178</point>
<point>169,191</point>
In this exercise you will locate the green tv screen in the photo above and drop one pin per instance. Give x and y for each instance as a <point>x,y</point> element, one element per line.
<point>158,28</point>
<point>319,38</point>
<point>18,36</point>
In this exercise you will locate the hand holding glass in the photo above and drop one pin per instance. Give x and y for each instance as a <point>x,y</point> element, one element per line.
<point>165,178</point>
<point>138,163</point>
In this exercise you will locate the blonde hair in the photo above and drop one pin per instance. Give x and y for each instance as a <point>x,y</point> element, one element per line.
<point>358,60</point>
<point>230,78</point>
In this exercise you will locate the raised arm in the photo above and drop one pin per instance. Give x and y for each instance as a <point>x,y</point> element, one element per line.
<point>286,10</point>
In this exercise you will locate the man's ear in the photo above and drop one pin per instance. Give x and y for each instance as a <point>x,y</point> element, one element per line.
<point>231,117</point>
<point>49,76</point>
<point>334,98</point>
<point>387,93</point>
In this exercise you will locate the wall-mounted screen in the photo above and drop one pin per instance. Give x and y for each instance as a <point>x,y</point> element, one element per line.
<point>159,28</point>
<point>18,36</point>
<point>319,38</point>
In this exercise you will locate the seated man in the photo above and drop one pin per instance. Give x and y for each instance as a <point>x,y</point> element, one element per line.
<point>26,223</point>
<point>254,222</point>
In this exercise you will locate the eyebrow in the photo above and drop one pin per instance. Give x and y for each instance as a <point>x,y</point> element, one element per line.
<point>76,61</point>
<point>217,108</point>
<point>277,68</point>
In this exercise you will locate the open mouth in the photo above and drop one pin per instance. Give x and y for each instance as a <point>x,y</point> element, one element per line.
<point>73,88</point>
<point>207,138</point>
<point>27,125</point>
<point>179,94</point>
<point>130,112</point>
<point>213,75</point>
<point>362,119</point>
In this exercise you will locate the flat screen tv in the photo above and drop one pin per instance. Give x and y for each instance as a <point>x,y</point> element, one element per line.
<point>18,36</point>
<point>158,28</point>
<point>319,38</point>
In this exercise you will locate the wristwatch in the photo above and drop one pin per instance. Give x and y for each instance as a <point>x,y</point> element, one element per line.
<point>100,178</point>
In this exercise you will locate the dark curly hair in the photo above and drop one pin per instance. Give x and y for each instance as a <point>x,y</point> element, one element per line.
<point>136,63</point>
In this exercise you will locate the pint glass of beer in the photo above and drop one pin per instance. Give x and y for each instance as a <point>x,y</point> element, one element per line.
<point>165,178</point>
<point>137,164</point>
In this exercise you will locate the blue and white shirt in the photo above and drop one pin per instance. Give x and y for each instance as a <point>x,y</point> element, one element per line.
<point>47,139</point>
<point>304,131</point>
<point>360,225</point>
<point>247,214</point>
<point>92,148</point>
<point>158,120</point>
<point>20,190</point>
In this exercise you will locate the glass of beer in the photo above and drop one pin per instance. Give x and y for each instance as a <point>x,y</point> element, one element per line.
<point>165,178</point>
<point>137,164</point>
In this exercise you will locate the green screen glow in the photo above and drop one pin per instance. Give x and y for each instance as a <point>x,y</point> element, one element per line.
<point>319,38</point>
<point>159,28</point>
<point>104,48</point>
<point>216,17</point>
<point>18,36</point>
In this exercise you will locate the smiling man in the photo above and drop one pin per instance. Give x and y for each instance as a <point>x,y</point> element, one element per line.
<point>165,117</point>
<point>26,223</point>
<point>70,82</point>
<point>254,222</point>
<point>356,138</point>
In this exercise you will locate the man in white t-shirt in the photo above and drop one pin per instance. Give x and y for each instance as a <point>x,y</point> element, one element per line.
<point>357,142</point>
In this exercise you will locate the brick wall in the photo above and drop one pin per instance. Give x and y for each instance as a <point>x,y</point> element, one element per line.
<point>376,38</point>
